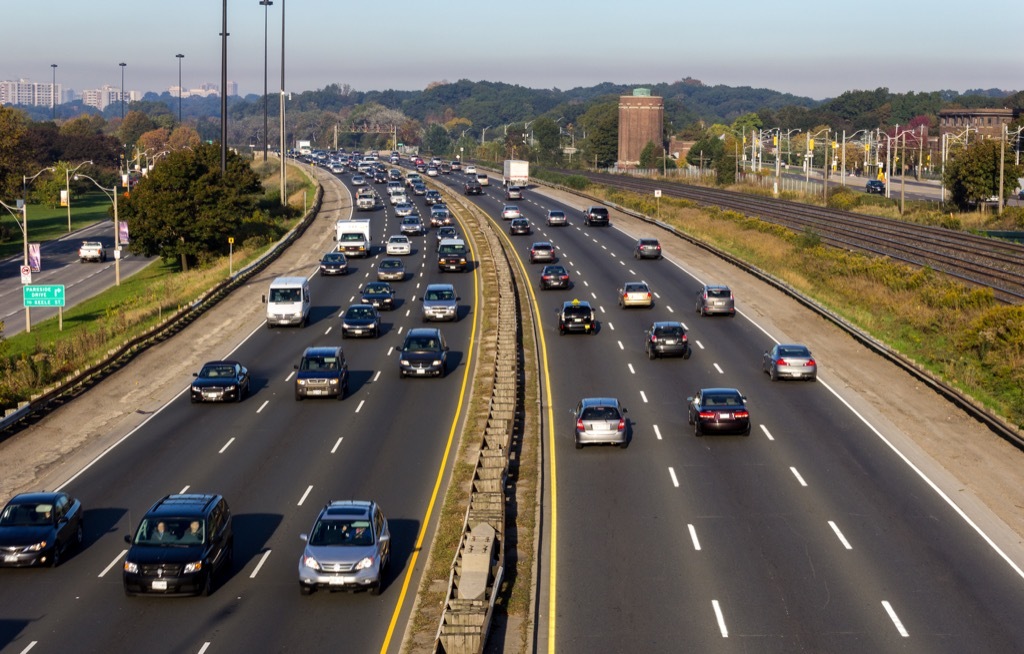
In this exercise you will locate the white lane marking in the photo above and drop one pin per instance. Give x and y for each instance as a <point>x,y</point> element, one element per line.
<point>202,650</point>
<point>226,445</point>
<point>183,490</point>
<point>839,535</point>
<point>113,563</point>
<point>328,331</point>
<point>657,432</point>
<point>263,406</point>
<point>611,326</point>
<point>289,377</point>
<point>30,646</point>
<point>681,323</point>
<point>699,344</point>
<point>622,347</point>
<point>631,371</point>
<point>798,477</point>
<point>657,296</point>
<point>719,369</point>
<point>337,444</point>
<point>586,283</point>
<point>377,376</point>
<point>643,396</point>
<point>600,307</point>
<point>305,495</point>
<point>671,311</point>
<point>672,473</point>
<point>895,619</point>
<point>263,559</point>
<point>360,405</point>
<point>407,312</point>
<point>720,618</point>
<point>693,537</point>
<point>593,296</point>
<point>621,262</point>
<point>767,433</point>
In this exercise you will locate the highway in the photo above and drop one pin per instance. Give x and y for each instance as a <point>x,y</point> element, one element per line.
<point>812,534</point>
<point>277,462</point>
<point>60,265</point>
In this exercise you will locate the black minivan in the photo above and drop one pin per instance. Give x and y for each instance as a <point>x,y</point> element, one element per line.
<point>181,545</point>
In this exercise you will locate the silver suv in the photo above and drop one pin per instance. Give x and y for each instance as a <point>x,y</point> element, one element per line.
<point>715,298</point>
<point>348,547</point>
<point>440,302</point>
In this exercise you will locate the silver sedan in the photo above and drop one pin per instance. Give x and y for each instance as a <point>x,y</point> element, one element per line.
<point>790,361</point>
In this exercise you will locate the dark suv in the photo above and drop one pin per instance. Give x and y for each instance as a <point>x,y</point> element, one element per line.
<point>322,372</point>
<point>424,352</point>
<point>474,187</point>
<point>577,316</point>
<point>180,546</point>
<point>875,186</point>
<point>595,216</point>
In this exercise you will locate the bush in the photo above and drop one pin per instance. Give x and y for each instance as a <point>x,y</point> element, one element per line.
<point>843,198</point>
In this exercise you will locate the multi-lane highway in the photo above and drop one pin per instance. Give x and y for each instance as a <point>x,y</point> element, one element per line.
<point>276,461</point>
<point>812,534</point>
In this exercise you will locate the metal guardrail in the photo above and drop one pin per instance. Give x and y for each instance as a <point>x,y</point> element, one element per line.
<point>74,385</point>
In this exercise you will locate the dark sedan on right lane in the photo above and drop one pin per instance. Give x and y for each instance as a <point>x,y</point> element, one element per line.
<point>718,411</point>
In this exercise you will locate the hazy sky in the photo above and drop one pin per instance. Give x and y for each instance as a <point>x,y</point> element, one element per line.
<point>818,49</point>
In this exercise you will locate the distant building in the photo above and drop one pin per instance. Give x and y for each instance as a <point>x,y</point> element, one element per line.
<point>204,91</point>
<point>24,92</point>
<point>986,123</point>
<point>103,97</point>
<point>641,118</point>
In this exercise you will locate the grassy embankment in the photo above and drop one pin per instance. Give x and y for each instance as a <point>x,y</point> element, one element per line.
<point>958,332</point>
<point>31,362</point>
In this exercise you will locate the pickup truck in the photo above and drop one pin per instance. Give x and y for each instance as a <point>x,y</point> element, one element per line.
<point>366,200</point>
<point>92,251</point>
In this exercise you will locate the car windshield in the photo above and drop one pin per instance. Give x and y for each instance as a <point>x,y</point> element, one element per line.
<point>334,258</point>
<point>165,532</point>
<point>636,288</point>
<point>600,413</point>
<point>421,344</point>
<point>390,264</point>
<point>359,312</point>
<point>437,296</point>
<point>316,364</point>
<point>344,533</point>
<point>399,239</point>
<point>453,249</point>
<point>353,237</point>
<point>554,270</point>
<point>285,294</point>
<point>27,515</point>
<point>557,214</point>
<point>219,370</point>
<point>375,288</point>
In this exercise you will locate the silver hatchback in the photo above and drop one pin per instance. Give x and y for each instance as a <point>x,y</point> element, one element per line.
<point>715,298</point>
<point>601,420</point>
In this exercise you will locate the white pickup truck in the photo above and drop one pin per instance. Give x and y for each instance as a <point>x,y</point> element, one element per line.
<point>92,251</point>
<point>366,200</point>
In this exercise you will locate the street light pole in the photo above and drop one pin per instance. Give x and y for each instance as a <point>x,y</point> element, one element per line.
<point>180,57</point>
<point>266,140</point>
<point>53,93</point>
<point>67,186</point>
<point>122,65</point>
<point>284,183</point>
<point>112,194</point>
<point>14,211</point>
<point>224,89</point>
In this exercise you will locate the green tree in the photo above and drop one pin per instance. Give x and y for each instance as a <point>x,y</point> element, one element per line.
<point>650,156</point>
<point>973,174</point>
<point>13,126</point>
<point>436,140</point>
<point>601,124</point>
<point>186,210</point>
<point>135,124</point>
<point>547,140</point>
<point>705,151</point>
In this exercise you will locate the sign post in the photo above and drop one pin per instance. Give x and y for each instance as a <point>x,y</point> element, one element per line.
<point>657,199</point>
<point>45,295</point>
<point>231,255</point>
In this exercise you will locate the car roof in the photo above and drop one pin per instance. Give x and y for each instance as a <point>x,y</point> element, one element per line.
<point>321,351</point>
<point>719,287</point>
<point>542,244</point>
<point>575,303</point>
<point>225,362</point>
<point>40,497</point>
<point>599,401</point>
<point>440,287</point>
<point>667,323</point>
<point>423,331</point>
<point>339,509</point>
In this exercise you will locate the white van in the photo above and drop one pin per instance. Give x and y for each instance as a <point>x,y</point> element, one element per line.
<point>288,301</point>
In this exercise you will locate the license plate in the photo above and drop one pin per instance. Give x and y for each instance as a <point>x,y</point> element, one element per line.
<point>160,585</point>
<point>669,342</point>
<point>315,392</point>
<point>357,331</point>
<point>420,371</point>
<point>725,416</point>
<point>339,581</point>
<point>577,320</point>
<point>718,303</point>
<point>10,558</point>
<point>211,396</point>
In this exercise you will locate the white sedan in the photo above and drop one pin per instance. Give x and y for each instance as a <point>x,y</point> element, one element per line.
<point>398,245</point>
<point>469,170</point>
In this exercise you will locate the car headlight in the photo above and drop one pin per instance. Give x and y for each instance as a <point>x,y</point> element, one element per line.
<point>310,562</point>
<point>345,325</point>
<point>364,563</point>
<point>333,381</point>
<point>196,389</point>
<point>436,362</point>
<point>194,566</point>
<point>232,387</point>
<point>130,567</point>
<point>35,547</point>
<point>404,362</point>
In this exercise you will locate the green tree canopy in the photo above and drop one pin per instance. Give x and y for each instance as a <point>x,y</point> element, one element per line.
<point>186,210</point>
<point>973,174</point>
<point>436,140</point>
<point>547,140</point>
<point>601,124</point>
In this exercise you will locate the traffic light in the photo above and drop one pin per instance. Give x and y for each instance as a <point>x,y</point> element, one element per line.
<point>810,144</point>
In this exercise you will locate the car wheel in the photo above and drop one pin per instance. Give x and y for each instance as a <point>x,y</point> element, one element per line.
<point>686,353</point>
<point>375,588</point>
<point>624,444</point>
<point>344,334</point>
<point>80,534</point>
<point>55,558</point>
<point>773,374</point>
<point>193,400</point>
<point>298,397</point>
<point>579,445</point>
<point>651,353</point>
<point>696,429</point>
<point>561,331</point>
<point>306,590</point>
<point>689,418</point>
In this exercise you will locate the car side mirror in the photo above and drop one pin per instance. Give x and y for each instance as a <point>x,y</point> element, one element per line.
<point>263,299</point>
<point>128,538</point>
<point>304,538</point>
<point>457,298</point>
<point>296,367</point>
<point>689,399</point>
<point>385,538</point>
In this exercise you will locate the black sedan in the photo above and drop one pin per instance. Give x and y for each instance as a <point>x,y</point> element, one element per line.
<point>719,411</point>
<point>360,320</point>
<point>379,294</point>
<point>333,263</point>
<point>554,276</point>
<point>875,186</point>
<point>220,381</point>
<point>39,528</point>
<point>520,226</point>
<point>666,339</point>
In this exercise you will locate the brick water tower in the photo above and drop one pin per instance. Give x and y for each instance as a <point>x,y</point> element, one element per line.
<point>641,118</point>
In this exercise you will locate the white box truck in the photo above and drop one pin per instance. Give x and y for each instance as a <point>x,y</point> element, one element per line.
<point>353,237</point>
<point>516,172</point>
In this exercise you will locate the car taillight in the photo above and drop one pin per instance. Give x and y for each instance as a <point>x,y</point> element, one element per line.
<point>707,414</point>
<point>565,277</point>
<point>657,247</point>
<point>579,424</point>
<point>622,424</point>
<point>780,362</point>
<point>743,413</point>
<point>683,339</point>
<point>648,295</point>
<point>810,362</point>
<point>654,338</point>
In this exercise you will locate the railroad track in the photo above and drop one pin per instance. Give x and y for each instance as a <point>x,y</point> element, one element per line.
<point>978,260</point>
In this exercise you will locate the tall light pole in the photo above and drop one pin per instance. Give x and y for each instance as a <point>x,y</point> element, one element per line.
<point>14,211</point>
<point>224,89</point>
<point>122,65</point>
<point>53,93</point>
<point>284,183</point>
<point>112,194</point>
<point>67,185</point>
<point>843,153</point>
<point>180,57</point>
<point>483,135</point>
<point>266,139</point>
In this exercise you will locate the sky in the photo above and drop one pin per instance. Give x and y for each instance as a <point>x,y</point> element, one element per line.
<point>818,49</point>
